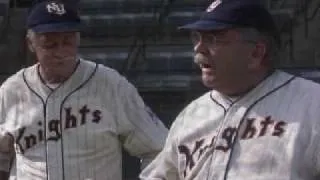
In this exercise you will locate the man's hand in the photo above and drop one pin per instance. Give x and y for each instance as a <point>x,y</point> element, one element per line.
<point>6,142</point>
<point>7,150</point>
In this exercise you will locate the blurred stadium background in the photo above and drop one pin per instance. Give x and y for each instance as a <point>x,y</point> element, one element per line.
<point>139,38</point>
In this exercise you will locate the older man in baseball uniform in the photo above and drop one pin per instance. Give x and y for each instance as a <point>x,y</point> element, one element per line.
<point>257,123</point>
<point>66,118</point>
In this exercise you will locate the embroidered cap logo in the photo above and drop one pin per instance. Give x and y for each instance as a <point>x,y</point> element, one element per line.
<point>56,8</point>
<point>213,5</point>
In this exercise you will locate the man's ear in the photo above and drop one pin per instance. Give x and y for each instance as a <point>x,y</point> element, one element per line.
<point>30,44</point>
<point>258,55</point>
<point>30,38</point>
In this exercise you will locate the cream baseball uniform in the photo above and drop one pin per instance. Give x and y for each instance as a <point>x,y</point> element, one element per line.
<point>75,132</point>
<point>271,133</point>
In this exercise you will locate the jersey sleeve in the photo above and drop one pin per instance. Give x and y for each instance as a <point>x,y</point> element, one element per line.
<point>308,141</point>
<point>142,133</point>
<point>313,147</point>
<point>165,165</point>
<point>6,140</point>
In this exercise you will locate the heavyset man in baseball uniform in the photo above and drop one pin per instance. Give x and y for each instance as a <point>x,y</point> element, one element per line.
<point>257,123</point>
<point>69,117</point>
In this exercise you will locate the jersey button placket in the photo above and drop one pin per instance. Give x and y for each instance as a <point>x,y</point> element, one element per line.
<point>53,137</point>
<point>224,141</point>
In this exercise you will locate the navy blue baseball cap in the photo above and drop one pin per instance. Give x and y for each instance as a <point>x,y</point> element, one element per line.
<point>53,16</point>
<point>223,14</point>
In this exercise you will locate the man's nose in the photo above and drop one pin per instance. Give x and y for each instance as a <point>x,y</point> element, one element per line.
<point>199,47</point>
<point>60,50</point>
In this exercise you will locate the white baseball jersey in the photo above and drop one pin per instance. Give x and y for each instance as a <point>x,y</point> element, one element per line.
<point>271,133</point>
<point>75,132</point>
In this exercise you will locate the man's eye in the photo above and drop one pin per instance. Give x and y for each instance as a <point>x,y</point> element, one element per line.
<point>48,46</point>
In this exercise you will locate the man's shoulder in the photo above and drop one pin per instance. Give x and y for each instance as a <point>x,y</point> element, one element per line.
<point>304,94</point>
<point>16,79</point>
<point>202,103</point>
<point>102,70</point>
<point>308,83</point>
<point>305,86</point>
<point>204,99</point>
<point>110,78</point>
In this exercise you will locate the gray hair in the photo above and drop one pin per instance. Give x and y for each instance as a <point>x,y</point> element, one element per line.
<point>273,47</point>
<point>31,35</point>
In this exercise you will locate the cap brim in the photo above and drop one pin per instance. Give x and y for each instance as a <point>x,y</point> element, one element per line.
<point>205,25</point>
<point>57,27</point>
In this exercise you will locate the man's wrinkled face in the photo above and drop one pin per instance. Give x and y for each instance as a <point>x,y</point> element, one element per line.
<point>222,57</point>
<point>56,52</point>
